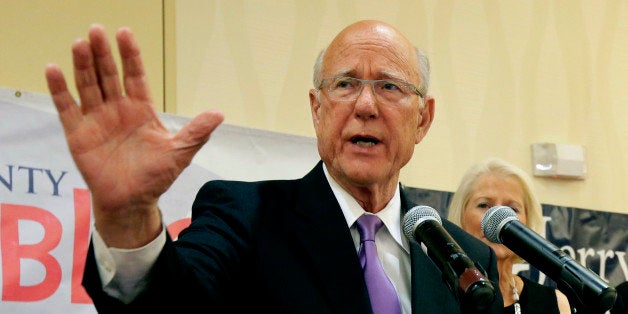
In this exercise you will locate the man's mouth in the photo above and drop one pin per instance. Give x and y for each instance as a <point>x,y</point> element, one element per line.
<point>364,141</point>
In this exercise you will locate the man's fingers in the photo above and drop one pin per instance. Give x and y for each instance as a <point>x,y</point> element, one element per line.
<point>106,68</point>
<point>61,97</point>
<point>85,75</point>
<point>135,83</point>
<point>196,132</point>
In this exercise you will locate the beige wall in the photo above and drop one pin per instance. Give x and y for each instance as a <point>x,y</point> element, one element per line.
<point>506,74</point>
<point>34,33</point>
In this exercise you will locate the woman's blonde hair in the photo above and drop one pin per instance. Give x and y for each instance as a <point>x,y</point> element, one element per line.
<point>533,209</point>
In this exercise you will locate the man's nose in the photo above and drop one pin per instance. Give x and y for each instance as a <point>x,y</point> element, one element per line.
<point>365,104</point>
<point>368,89</point>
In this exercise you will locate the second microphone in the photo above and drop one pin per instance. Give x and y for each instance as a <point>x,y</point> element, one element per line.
<point>423,225</point>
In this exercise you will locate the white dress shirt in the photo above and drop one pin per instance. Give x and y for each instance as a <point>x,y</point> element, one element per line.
<point>393,248</point>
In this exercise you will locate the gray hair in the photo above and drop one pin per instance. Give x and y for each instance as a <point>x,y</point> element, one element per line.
<point>424,70</point>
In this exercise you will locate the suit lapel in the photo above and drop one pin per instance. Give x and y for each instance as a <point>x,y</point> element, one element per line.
<point>430,293</point>
<point>322,232</point>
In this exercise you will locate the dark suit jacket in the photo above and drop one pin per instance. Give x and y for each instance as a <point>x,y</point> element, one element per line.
<point>279,246</point>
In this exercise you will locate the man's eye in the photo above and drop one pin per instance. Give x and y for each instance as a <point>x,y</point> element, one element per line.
<point>344,83</point>
<point>389,85</point>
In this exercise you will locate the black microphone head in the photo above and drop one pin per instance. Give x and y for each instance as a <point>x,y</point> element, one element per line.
<point>495,219</point>
<point>416,216</point>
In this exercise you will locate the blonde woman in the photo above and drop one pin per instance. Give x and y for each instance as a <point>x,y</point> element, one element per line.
<point>495,182</point>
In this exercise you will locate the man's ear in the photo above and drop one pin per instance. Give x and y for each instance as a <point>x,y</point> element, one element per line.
<point>315,105</point>
<point>426,116</point>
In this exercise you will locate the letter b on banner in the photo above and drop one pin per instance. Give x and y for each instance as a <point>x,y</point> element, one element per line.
<point>13,251</point>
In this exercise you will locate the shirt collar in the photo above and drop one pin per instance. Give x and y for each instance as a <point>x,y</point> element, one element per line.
<point>390,215</point>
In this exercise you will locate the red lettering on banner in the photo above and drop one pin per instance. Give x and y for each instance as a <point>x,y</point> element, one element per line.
<point>13,251</point>
<point>82,210</point>
<point>175,228</point>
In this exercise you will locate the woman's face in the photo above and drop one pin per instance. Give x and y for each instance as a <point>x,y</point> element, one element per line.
<point>493,190</point>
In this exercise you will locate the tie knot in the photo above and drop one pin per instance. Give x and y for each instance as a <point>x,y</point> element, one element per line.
<point>368,226</point>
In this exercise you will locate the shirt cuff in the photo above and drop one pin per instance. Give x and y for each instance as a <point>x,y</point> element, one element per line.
<point>124,272</point>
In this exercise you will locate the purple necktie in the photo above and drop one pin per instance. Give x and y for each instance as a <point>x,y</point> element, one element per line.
<point>381,291</point>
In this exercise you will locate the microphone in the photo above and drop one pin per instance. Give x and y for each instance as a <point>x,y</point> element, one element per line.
<point>584,289</point>
<point>423,225</point>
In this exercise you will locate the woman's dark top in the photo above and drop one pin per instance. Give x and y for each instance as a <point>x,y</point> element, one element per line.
<point>621,304</point>
<point>535,298</point>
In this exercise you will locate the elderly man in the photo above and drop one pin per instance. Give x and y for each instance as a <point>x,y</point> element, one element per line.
<point>286,246</point>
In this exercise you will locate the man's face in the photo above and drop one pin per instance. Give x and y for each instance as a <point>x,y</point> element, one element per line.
<point>367,141</point>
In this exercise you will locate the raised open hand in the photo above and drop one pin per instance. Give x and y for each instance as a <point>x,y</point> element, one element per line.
<point>124,153</point>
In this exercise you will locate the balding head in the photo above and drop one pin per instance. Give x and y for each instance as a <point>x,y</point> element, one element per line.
<point>370,31</point>
<point>372,34</point>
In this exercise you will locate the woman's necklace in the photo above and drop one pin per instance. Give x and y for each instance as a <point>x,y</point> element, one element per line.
<point>515,296</point>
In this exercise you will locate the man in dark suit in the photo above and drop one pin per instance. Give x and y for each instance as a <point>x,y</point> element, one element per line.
<point>285,246</point>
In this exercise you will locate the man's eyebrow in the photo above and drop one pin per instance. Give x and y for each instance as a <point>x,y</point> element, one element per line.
<point>344,72</point>
<point>390,75</point>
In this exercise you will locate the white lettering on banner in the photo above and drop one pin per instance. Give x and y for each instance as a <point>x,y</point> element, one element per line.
<point>621,257</point>
<point>581,255</point>
<point>605,256</point>
<point>31,173</point>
